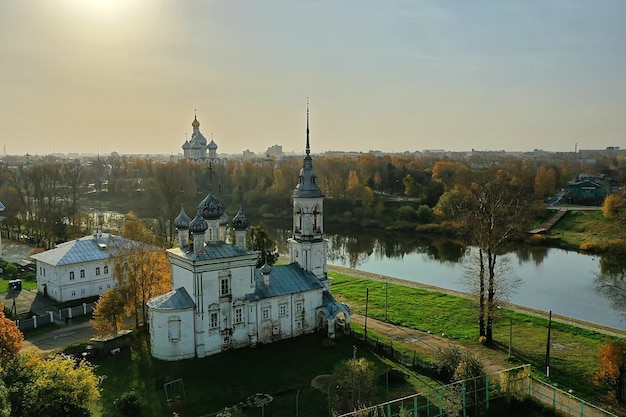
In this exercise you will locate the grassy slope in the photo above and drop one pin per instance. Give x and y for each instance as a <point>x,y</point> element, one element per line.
<point>580,226</point>
<point>573,360</point>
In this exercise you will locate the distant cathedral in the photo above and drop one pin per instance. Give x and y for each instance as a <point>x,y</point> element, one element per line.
<point>195,149</point>
<point>222,301</point>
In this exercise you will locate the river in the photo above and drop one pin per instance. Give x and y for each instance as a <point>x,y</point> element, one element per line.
<point>549,279</point>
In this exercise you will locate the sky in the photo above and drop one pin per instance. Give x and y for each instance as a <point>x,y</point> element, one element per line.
<point>96,76</point>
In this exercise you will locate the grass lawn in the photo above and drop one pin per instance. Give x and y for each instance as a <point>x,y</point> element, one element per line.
<point>574,352</point>
<point>280,369</point>
<point>580,226</point>
<point>29,282</point>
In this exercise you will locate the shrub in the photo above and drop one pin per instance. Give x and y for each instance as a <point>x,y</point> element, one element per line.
<point>129,404</point>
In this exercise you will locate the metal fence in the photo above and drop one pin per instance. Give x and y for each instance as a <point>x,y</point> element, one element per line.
<point>463,398</point>
<point>564,402</point>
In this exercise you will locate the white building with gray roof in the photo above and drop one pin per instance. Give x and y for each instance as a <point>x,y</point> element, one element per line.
<point>79,268</point>
<point>223,301</point>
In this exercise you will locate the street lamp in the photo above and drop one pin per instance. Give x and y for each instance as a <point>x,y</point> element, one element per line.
<point>386,287</point>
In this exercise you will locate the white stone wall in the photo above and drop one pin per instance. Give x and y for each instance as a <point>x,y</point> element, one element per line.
<point>171,341</point>
<point>61,288</point>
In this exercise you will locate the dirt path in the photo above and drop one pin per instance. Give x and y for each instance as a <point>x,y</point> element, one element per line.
<point>420,341</point>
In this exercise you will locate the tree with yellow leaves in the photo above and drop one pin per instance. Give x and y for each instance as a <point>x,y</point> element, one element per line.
<point>58,386</point>
<point>109,313</point>
<point>612,370</point>
<point>142,270</point>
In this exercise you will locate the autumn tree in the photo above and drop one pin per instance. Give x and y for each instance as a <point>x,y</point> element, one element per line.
<point>11,338</point>
<point>614,206</point>
<point>492,208</point>
<point>612,370</point>
<point>56,386</point>
<point>141,269</point>
<point>260,240</point>
<point>354,384</point>
<point>545,181</point>
<point>109,313</point>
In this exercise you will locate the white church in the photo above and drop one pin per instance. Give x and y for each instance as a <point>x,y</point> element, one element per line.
<point>195,149</point>
<point>222,301</point>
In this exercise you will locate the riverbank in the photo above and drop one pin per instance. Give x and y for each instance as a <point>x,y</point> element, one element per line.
<point>514,307</point>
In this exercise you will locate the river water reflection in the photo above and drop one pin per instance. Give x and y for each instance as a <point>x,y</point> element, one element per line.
<point>551,279</point>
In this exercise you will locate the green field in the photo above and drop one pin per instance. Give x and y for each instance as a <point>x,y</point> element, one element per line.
<point>574,356</point>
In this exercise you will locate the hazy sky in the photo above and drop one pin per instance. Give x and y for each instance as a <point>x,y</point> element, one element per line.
<point>126,75</point>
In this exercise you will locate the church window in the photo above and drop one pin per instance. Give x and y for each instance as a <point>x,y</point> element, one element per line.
<point>224,287</point>
<point>174,329</point>
<point>299,306</point>
<point>213,321</point>
<point>82,291</point>
<point>71,275</point>
<point>210,235</point>
<point>82,273</point>
<point>97,270</point>
<point>73,293</point>
<point>100,289</point>
<point>298,325</point>
<point>283,310</point>
<point>44,272</point>
<point>106,269</point>
<point>265,313</point>
<point>238,315</point>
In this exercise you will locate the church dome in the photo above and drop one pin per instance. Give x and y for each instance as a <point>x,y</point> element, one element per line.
<point>211,208</point>
<point>198,141</point>
<point>307,181</point>
<point>182,221</point>
<point>224,218</point>
<point>240,222</point>
<point>186,145</point>
<point>198,225</point>
<point>195,122</point>
<point>212,145</point>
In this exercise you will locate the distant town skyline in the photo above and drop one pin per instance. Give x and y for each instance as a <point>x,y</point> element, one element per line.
<point>101,76</point>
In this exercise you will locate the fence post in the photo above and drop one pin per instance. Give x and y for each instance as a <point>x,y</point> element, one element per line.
<point>70,312</point>
<point>84,309</point>
<point>487,391</point>
<point>51,316</point>
<point>35,321</point>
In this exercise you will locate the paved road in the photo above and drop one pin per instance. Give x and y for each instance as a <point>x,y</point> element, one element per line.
<point>60,338</point>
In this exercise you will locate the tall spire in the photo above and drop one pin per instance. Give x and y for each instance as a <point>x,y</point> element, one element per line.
<point>308,148</point>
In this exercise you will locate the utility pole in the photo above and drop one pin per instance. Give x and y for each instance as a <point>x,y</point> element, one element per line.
<point>548,346</point>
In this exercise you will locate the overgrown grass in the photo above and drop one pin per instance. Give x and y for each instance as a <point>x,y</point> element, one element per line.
<point>281,369</point>
<point>582,226</point>
<point>574,352</point>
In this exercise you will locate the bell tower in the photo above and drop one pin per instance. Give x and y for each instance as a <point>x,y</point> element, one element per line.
<point>307,246</point>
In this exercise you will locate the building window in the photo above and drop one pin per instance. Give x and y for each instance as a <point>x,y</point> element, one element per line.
<point>100,287</point>
<point>282,310</point>
<point>238,315</point>
<point>44,272</point>
<point>40,271</point>
<point>82,273</point>
<point>213,321</point>
<point>298,325</point>
<point>97,270</point>
<point>73,293</point>
<point>224,287</point>
<point>265,313</point>
<point>174,329</point>
<point>71,275</point>
<point>108,286</point>
<point>299,306</point>
<point>82,292</point>
<point>117,285</point>
<point>106,269</point>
